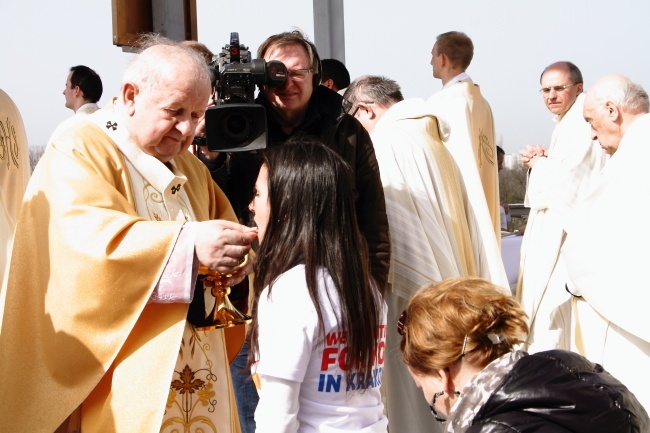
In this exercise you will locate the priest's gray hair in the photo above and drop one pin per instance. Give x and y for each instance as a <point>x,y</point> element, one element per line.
<point>636,98</point>
<point>373,88</point>
<point>160,58</point>
<point>623,92</point>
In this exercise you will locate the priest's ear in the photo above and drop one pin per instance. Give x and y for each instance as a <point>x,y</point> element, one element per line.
<point>128,93</point>
<point>366,115</point>
<point>613,111</point>
<point>366,109</point>
<point>444,61</point>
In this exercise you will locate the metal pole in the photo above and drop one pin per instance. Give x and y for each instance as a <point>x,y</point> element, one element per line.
<point>329,29</point>
<point>168,18</point>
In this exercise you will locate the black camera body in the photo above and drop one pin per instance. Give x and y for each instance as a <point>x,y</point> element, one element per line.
<point>236,123</point>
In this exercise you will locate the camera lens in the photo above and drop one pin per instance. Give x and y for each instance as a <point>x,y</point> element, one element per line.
<point>231,127</point>
<point>236,126</point>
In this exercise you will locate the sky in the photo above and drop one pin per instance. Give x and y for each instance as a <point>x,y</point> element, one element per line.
<point>513,41</point>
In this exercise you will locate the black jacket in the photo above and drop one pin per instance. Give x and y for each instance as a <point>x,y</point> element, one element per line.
<point>559,391</point>
<point>345,135</point>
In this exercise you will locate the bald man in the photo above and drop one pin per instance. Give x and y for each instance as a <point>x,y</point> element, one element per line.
<point>115,222</point>
<point>607,267</point>
<point>559,177</point>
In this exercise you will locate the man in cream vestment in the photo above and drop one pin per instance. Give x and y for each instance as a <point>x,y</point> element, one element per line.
<point>434,233</point>
<point>472,138</point>
<point>607,266</point>
<point>14,175</point>
<point>114,223</point>
<point>559,178</point>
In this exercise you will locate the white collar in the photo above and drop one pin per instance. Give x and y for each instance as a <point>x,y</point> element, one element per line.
<point>457,79</point>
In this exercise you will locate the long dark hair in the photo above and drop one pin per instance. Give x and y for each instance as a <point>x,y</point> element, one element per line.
<point>313,221</point>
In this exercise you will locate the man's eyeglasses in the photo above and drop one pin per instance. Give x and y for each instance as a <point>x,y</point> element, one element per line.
<point>199,140</point>
<point>401,323</point>
<point>351,108</point>
<point>300,74</point>
<point>558,89</point>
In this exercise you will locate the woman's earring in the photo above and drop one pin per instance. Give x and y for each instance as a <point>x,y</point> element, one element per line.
<point>435,413</point>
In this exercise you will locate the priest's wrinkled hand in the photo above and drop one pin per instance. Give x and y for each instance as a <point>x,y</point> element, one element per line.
<point>221,245</point>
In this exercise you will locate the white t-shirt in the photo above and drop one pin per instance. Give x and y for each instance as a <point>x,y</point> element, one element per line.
<point>292,348</point>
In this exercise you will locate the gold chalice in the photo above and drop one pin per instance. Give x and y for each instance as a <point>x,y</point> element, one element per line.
<point>211,308</point>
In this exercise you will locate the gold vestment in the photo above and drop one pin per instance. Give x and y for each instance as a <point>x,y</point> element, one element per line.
<point>77,328</point>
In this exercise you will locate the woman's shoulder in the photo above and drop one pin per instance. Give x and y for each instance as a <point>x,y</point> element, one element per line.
<point>291,285</point>
<point>297,276</point>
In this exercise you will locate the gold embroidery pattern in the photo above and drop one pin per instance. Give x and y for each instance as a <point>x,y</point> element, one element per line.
<point>156,207</point>
<point>185,208</point>
<point>188,387</point>
<point>191,394</point>
<point>153,200</point>
<point>9,143</point>
<point>485,149</point>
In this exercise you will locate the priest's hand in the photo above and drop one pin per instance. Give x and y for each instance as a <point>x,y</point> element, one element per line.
<point>232,279</point>
<point>222,245</point>
<point>531,154</point>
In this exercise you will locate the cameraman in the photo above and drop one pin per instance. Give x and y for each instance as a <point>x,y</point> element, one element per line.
<point>302,106</point>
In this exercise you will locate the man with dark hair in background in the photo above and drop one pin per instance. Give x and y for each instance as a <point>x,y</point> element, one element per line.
<point>83,88</point>
<point>335,75</point>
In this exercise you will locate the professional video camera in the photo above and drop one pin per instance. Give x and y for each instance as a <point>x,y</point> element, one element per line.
<point>236,123</point>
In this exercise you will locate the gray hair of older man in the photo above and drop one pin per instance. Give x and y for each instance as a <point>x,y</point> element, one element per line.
<point>623,92</point>
<point>374,88</point>
<point>158,56</point>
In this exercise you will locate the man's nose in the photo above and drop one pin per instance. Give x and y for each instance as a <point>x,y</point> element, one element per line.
<point>187,127</point>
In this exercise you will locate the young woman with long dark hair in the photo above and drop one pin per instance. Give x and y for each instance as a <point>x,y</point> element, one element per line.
<point>319,320</point>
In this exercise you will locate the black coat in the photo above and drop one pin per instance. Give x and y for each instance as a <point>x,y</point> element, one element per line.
<point>559,391</point>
